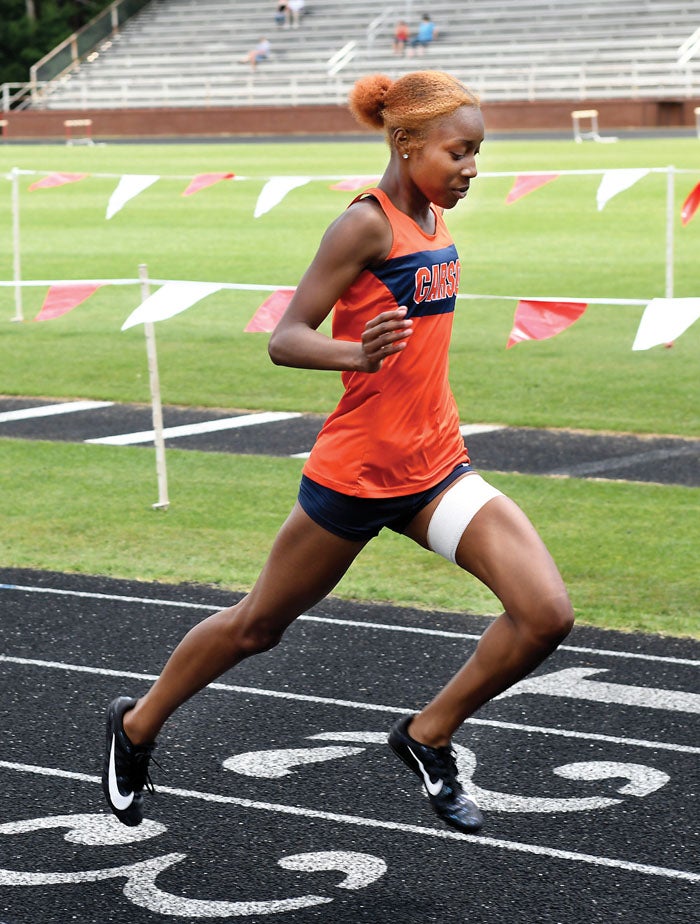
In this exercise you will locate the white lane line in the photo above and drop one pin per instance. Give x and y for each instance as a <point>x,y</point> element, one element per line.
<point>445,633</point>
<point>360,821</point>
<point>576,683</point>
<point>465,430</point>
<point>352,704</point>
<point>205,426</point>
<point>49,410</point>
<point>618,462</point>
<point>359,624</point>
<point>473,429</point>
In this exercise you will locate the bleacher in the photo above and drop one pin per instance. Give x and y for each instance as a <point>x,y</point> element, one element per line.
<point>188,52</point>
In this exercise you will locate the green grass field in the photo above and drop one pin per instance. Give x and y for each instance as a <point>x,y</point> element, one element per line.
<point>626,551</point>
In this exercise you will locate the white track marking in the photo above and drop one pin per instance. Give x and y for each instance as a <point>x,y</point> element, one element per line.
<point>205,426</point>
<point>351,704</point>
<point>445,633</point>
<point>473,429</point>
<point>50,410</point>
<point>618,462</point>
<point>354,623</point>
<point>572,683</point>
<point>445,834</point>
<point>465,430</point>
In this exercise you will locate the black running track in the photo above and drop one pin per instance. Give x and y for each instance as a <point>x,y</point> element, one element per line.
<point>277,797</point>
<point>666,460</point>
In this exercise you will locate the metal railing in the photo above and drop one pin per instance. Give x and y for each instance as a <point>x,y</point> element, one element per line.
<point>689,48</point>
<point>15,96</point>
<point>66,56</point>
<point>375,25</point>
<point>531,83</point>
<point>341,58</point>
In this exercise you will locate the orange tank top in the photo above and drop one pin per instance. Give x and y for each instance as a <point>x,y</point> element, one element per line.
<point>396,431</point>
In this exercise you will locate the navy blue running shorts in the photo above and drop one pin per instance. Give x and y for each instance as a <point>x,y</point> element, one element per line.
<point>361,518</point>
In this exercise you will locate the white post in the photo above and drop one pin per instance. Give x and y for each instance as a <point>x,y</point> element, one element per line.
<point>14,176</point>
<point>670,191</point>
<point>156,407</point>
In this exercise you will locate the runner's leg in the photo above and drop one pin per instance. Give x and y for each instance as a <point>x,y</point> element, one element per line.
<point>501,548</point>
<point>304,565</point>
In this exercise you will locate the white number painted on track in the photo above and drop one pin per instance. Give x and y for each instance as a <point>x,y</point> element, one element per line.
<point>641,780</point>
<point>572,683</point>
<point>359,869</point>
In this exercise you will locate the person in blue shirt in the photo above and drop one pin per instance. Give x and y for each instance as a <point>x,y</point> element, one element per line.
<point>423,37</point>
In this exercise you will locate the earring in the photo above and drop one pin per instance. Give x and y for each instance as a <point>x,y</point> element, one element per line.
<point>405,156</point>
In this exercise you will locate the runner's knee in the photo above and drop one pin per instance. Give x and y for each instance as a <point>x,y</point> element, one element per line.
<point>548,620</point>
<point>251,634</point>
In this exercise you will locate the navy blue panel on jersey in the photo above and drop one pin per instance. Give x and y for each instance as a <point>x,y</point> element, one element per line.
<point>426,281</point>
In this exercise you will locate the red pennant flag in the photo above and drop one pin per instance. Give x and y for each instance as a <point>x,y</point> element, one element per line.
<point>268,314</point>
<point>206,179</point>
<point>57,179</point>
<point>541,320</point>
<point>63,298</point>
<point>527,184</point>
<point>690,205</point>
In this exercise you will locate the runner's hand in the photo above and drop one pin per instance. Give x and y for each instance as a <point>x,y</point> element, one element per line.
<point>385,335</point>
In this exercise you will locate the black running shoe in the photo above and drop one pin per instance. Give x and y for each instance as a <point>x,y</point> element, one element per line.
<point>125,771</point>
<point>437,770</point>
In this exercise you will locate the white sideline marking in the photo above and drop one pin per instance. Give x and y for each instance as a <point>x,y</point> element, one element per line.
<point>465,430</point>
<point>472,429</point>
<point>618,462</point>
<point>48,410</point>
<point>351,704</point>
<point>574,682</point>
<point>205,426</point>
<point>359,624</point>
<point>446,834</point>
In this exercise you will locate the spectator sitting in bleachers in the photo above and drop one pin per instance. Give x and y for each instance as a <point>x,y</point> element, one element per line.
<point>423,37</point>
<point>401,36</point>
<point>294,9</point>
<point>261,52</point>
<point>281,14</point>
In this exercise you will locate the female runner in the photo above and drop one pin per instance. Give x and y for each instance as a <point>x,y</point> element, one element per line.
<point>391,454</point>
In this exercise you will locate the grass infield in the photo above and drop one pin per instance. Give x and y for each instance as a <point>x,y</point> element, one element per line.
<point>625,550</point>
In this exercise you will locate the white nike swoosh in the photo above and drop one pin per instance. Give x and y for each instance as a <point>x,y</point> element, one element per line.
<point>433,788</point>
<point>119,801</point>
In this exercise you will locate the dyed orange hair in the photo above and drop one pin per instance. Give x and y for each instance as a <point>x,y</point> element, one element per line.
<point>411,102</point>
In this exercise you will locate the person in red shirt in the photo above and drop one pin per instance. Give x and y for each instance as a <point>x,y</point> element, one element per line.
<point>401,35</point>
<point>390,455</point>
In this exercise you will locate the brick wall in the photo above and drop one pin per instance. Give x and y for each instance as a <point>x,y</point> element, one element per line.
<point>334,120</point>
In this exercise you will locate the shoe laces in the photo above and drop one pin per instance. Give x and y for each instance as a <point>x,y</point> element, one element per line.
<point>142,757</point>
<point>446,766</point>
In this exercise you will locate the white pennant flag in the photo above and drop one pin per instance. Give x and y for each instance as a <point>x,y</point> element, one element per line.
<point>664,320</point>
<point>614,182</point>
<point>170,300</point>
<point>274,191</point>
<point>129,186</point>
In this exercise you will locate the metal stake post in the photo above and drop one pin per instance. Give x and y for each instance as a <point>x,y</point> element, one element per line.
<point>14,177</point>
<point>156,407</point>
<point>670,193</point>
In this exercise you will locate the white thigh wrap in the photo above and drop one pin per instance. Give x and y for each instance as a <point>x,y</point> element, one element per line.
<point>454,513</point>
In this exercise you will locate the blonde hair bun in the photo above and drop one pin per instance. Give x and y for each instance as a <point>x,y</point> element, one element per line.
<point>411,102</point>
<point>367,99</point>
